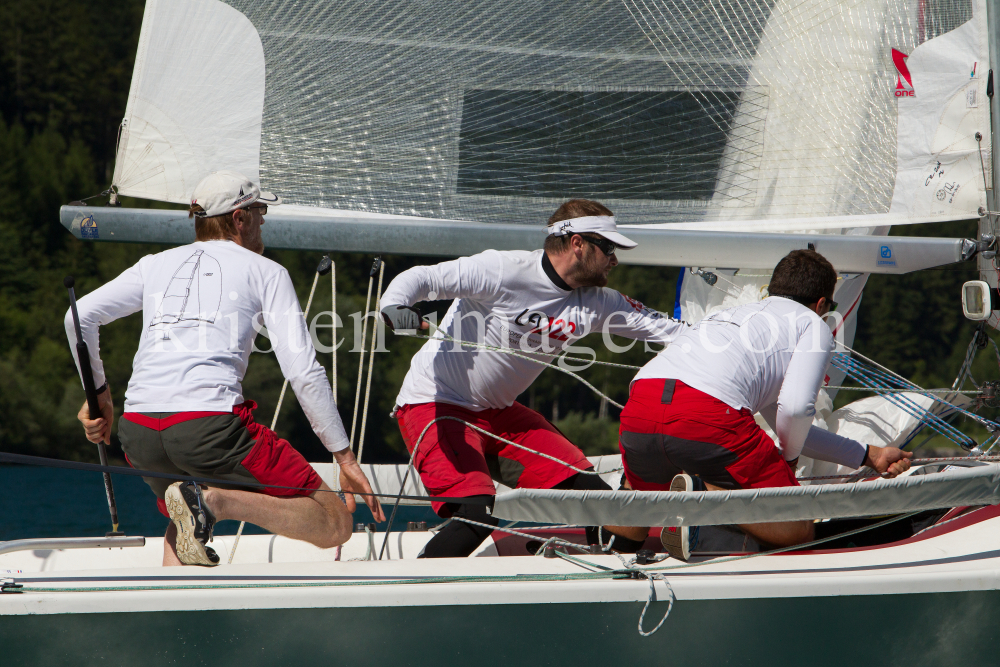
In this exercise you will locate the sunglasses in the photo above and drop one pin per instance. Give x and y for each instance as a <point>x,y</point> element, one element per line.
<point>258,207</point>
<point>606,246</point>
<point>833,305</point>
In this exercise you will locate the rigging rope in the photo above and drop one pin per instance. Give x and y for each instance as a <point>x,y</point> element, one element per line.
<point>448,339</point>
<point>989,424</point>
<point>377,319</point>
<point>361,359</point>
<point>420,439</point>
<point>879,377</point>
<point>869,376</point>
<point>333,329</point>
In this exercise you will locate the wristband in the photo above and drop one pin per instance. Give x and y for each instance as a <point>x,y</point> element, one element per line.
<point>100,390</point>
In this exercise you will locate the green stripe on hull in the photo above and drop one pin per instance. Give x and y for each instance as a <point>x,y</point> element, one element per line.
<point>905,630</point>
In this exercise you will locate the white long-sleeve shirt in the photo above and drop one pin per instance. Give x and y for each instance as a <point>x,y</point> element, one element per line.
<point>508,299</point>
<point>202,307</point>
<point>769,357</point>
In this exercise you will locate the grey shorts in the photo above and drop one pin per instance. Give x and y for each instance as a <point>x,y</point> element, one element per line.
<point>228,446</point>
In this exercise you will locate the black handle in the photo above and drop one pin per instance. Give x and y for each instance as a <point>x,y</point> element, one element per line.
<point>87,374</point>
<point>93,406</point>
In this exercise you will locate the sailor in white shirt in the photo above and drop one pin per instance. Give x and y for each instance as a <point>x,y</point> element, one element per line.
<point>691,409</point>
<point>536,304</point>
<point>202,305</point>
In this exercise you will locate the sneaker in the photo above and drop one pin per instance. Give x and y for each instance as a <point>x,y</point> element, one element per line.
<point>194,522</point>
<point>679,542</point>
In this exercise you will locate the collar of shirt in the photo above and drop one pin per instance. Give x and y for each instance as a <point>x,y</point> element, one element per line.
<point>550,271</point>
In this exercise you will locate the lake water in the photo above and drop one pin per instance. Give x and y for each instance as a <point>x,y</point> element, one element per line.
<point>49,502</point>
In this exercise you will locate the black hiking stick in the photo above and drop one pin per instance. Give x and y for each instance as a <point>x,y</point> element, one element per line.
<point>87,374</point>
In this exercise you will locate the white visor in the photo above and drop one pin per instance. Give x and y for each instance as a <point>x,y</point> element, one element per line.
<point>602,225</point>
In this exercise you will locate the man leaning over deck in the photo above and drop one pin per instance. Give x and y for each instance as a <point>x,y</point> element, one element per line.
<point>202,305</point>
<point>689,420</point>
<point>530,303</point>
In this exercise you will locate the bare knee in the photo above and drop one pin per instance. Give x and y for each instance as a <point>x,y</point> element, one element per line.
<point>339,521</point>
<point>797,532</point>
<point>338,531</point>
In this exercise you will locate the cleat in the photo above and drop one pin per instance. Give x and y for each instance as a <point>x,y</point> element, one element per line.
<point>679,542</point>
<point>194,522</point>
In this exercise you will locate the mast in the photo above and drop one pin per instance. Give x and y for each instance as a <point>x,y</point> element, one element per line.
<point>987,223</point>
<point>993,32</point>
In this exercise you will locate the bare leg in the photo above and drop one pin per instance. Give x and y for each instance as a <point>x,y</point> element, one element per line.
<point>170,546</point>
<point>781,533</point>
<point>631,532</point>
<point>777,534</point>
<point>320,519</point>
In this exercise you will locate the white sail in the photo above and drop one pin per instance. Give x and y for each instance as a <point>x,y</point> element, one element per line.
<point>196,100</point>
<point>667,111</point>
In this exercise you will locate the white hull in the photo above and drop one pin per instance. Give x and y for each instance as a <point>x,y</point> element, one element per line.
<point>955,565</point>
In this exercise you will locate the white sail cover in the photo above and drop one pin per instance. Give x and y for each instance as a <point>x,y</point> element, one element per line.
<point>668,111</point>
<point>954,488</point>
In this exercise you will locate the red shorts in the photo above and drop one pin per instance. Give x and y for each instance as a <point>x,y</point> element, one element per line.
<point>219,445</point>
<point>455,460</point>
<point>668,427</point>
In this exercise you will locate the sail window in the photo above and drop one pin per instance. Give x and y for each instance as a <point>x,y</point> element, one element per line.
<point>664,145</point>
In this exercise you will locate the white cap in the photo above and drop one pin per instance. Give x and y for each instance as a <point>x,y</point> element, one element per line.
<point>602,225</point>
<point>223,192</point>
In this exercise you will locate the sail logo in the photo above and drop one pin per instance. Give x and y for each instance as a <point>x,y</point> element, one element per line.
<point>192,296</point>
<point>885,256</point>
<point>88,228</point>
<point>904,82</point>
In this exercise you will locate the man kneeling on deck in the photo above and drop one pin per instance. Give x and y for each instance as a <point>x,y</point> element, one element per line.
<point>534,304</point>
<point>185,413</point>
<point>689,421</point>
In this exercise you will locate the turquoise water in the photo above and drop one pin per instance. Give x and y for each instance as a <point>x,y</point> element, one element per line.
<point>48,502</point>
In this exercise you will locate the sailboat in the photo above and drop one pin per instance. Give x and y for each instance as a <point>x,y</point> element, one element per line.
<point>723,133</point>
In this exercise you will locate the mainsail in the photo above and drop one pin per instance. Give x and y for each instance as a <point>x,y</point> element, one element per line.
<point>668,111</point>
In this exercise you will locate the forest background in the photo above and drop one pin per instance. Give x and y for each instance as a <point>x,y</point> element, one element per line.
<point>65,69</point>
